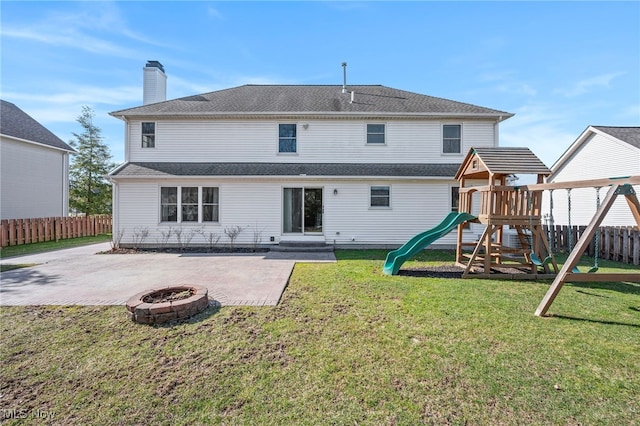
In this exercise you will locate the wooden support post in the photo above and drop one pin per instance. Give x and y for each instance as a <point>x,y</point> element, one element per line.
<point>475,252</point>
<point>634,205</point>
<point>581,246</point>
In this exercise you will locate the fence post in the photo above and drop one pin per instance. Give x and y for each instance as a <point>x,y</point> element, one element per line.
<point>636,246</point>
<point>12,232</point>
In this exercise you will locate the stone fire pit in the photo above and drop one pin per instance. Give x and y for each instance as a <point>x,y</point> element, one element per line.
<point>166,304</point>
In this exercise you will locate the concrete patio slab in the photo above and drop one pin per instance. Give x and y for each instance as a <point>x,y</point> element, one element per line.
<point>80,276</point>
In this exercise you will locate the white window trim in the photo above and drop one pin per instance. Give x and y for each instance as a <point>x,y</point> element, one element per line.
<point>155,135</point>
<point>366,133</point>
<point>380,207</point>
<point>287,154</point>
<point>179,205</point>
<point>452,154</point>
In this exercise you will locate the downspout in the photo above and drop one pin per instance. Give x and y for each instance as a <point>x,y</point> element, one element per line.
<point>65,184</point>
<point>127,146</point>
<point>115,214</point>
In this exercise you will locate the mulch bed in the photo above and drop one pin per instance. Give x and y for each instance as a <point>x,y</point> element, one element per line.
<point>198,250</point>
<point>444,271</point>
<point>452,271</point>
<point>163,296</point>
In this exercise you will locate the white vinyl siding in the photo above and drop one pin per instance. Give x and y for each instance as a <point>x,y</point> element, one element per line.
<point>34,180</point>
<point>317,141</point>
<point>599,157</point>
<point>256,206</point>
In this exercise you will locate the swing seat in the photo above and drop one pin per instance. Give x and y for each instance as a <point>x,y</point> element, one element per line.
<point>593,269</point>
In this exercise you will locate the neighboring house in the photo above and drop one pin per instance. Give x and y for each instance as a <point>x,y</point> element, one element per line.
<point>599,152</point>
<point>34,172</point>
<point>348,165</point>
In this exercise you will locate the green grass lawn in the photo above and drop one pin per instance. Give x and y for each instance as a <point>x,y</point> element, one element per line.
<point>32,248</point>
<point>346,345</point>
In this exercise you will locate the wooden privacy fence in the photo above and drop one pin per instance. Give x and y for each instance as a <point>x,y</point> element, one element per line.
<point>617,243</point>
<point>25,231</point>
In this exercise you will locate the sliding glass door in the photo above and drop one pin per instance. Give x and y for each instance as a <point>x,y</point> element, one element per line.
<point>302,211</point>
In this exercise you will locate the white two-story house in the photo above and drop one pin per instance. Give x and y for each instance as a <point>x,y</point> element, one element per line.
<point>34,167</point>
<point>350,165</point>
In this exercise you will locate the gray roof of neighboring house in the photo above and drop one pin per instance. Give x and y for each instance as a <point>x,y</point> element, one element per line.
<point>308,100</point>
<point>285,169</point>
<point>18,124</point>
<point>630,135</point>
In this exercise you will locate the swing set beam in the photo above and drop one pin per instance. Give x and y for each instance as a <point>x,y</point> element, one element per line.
<point>565,274</point>
<point>589,183</point>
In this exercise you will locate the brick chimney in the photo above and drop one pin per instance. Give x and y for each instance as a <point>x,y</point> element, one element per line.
<point>154,83</point>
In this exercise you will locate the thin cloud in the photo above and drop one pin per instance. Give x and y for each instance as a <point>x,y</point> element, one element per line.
<point>79,29</point>
<point>82,95</point>
<point>588,85</point>
<point>214,13</point>
<point>538,127</point>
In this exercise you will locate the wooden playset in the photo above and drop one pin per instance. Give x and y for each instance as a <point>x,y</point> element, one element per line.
<point>485,194</point>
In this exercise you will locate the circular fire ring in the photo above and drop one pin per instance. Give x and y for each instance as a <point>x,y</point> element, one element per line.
<point>160,305</point>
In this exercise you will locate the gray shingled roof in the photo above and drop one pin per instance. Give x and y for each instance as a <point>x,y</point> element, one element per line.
<point>310,99</point>
<point>18,124</point>
<point>630,135</point>
<point>284,169</point>
<point>507,160</point>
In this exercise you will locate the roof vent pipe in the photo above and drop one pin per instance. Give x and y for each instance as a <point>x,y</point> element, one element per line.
<point>353,96</point>
<point>344,73</point>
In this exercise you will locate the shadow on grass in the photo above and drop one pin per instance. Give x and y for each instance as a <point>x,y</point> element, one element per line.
<point>595,321</point>
<point>430,255</point>
<point>620,287</point>
<point>213,309</point>
<point>449,272</point>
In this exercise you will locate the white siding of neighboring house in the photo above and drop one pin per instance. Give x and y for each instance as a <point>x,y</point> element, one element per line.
<point>257,205</point>
<point>321,142</point>
<point>34,180</point>
<point>598,157</point>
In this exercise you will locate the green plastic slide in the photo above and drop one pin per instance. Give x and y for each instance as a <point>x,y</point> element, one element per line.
<point>415,245</point>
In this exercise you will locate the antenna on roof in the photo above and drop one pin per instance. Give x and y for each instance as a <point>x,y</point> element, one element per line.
<point>344,73</point>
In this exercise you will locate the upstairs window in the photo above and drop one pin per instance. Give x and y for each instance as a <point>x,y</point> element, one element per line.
<point>451,139</point>
<point>148,135</point>
<point>287,138</point>
<point>375,134</point>
<point>380,196</point>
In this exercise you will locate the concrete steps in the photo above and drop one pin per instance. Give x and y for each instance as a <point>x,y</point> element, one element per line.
<point>303,247</point>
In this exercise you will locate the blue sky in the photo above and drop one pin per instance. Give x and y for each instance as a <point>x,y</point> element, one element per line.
<point>559,66</point>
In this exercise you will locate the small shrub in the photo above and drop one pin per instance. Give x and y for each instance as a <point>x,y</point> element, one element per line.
<point>117,239</point>
<point>140,234</point>
<point>232,232</point>
<point>165,236</point>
